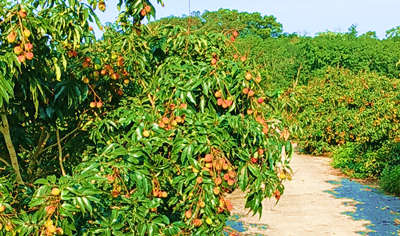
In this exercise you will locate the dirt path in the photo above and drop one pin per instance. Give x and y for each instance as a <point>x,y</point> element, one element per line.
<point>306,208</point>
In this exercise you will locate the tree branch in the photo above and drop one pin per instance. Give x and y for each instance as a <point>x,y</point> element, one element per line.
<point>4,161</point>
<point>60,152</point>
<point>62,139</point>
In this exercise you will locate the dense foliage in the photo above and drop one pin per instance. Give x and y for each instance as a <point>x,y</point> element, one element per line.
<point>390,180</point>
<point>357,113</point>
<point>143,132</point>
<point>340,89</point>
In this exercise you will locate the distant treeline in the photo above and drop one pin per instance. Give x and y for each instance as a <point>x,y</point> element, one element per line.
<point>287,58</point>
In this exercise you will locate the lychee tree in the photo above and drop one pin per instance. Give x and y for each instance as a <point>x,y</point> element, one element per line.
<point>143,132</point>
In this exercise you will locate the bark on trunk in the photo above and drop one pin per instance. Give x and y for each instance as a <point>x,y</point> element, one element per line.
<point>10,146</point>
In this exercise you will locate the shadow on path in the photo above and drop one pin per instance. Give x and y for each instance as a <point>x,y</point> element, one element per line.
<point>371,205</point>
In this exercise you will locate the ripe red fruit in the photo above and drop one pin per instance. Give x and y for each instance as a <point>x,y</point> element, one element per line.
<point>235,56</point>
<point>199,180</point>
<point>155,192</point>
<point>87,59</point>
<point>50,210</point>
<point>147,8</point>
<point>260,100</point>
<point>29,55</point>
<point>85,64</point>
<point>110,178</point>
<point>224,104</point>
<point>229,207</point>
<point>248,76</point>
<point>143,12</point>
<point>161,124</point>
<point>216,191</point>
<point>213,61</point>
<point>220,101</point>
<point>220,209</point>
<point>251,93</point>
<point>23,13</point>
<point>165,120</point>
<point>217,94</point>
<point>107,67</point>
<point>115,193</point>
<point>102,6</point>
<point>18,50</point>
<point>277,194</point>
<point>21,58</point>
<point>208,158</point>
<point>179,119</point>
<point>197,222</point>
<point>226,177</point>
<point>254,160</point>
<point>120,63</point>
<point>260,151</point>
<point>225,166</point>
<point>59,231</point>
<point>188,214</point>
<point>218,181</point>
<point>232,174</point>
<point>28,47</point>
<point>90,28</point>
<point>115,76</point>
<point>265,130</point>
<point>233,39</point>
<point>103,72</point>
<point>183,105</point>
<point>93,104</point>
<point>202,204</point>
<point>120,92</point>
<point>243,59</point>
<point>99,104</point>
<point>229,103</point>
<point>231,182</point>
<point>245,90</point>
<point>218,166</point>
<point>12,37</point>
<point>235,34</point>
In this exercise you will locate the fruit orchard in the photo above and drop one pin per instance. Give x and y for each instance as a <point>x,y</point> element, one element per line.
<point>143,132</point>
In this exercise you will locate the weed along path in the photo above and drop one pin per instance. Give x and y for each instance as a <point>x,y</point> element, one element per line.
<point>319,201</point>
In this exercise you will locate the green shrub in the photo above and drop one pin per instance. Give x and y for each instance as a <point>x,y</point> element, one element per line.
<point>359,161</point>
<point>346,107</point>
<point>390,180</point>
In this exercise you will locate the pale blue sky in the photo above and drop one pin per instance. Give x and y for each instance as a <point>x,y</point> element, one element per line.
<point>311,16</point>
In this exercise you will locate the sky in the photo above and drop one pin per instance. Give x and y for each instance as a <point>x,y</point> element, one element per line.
<point>306,17</point>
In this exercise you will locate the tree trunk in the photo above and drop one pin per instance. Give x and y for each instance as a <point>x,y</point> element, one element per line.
<point>60,152</point>
<point>10,146</point>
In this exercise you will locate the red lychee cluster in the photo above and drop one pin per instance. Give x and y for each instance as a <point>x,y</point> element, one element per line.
<point>224,103</point>
<point>145,10</point>
<point>235,34</point>
<point>24,48</point>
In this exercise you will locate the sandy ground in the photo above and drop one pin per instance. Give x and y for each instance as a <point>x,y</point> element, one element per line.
<point>305,208</point>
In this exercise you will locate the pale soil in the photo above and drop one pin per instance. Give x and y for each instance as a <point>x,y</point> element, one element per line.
<point>304,209</point>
